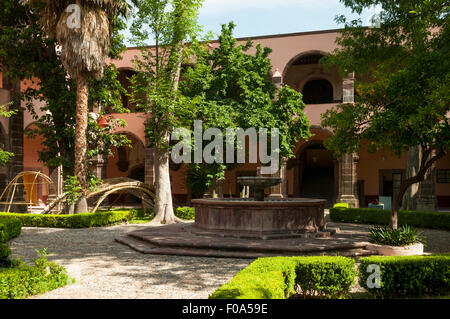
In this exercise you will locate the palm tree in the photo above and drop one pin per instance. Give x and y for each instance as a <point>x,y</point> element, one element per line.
<point>85,44</point>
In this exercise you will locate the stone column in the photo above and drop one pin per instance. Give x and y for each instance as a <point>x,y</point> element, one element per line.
<point>347,165</point>
<point>16,130</point>
<point>348,88</point>
<point>279,191</point>
<point>419,196</point>
<point>98,167</point>
<point>426,199</point>
<point>348,177</point>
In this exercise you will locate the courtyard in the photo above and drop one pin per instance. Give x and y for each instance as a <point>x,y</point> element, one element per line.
<point>105,269</point>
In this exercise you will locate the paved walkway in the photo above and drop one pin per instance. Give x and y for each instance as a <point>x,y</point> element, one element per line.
<point>104,268</point>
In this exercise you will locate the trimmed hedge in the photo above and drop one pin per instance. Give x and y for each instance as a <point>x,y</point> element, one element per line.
<point>186,213</point>
<point>83,220</point>
<point>434,220</point>
<point>408,276</point>
<point>23,280</point>
<point>276,277</point>
<point>10,228</point>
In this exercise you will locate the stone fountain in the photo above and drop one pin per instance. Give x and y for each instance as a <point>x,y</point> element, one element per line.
<point>250,228</point>
<point>259,217</point>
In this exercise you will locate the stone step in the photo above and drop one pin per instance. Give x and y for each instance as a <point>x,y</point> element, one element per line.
<point>146,247</point>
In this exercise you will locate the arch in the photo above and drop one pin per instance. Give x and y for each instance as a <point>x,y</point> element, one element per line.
<point>124,74</point>
<point>132,134</point>
<point>301,55</point>
<point>29,125</point>
<point>315,169</point>
<point>317,91</point>
<point>3,138</point>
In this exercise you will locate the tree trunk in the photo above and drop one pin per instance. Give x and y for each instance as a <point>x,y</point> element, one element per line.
<point>164,213</point>
<point>81,140</point>
<point>426,161</point>
<point>412,166</point>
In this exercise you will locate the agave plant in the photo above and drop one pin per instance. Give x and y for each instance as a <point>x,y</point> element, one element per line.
<point>84,48</point>
<point>403,236</point>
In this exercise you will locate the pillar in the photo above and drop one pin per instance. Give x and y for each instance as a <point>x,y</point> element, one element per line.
<point>15,134</point>
<point>348,177</point>
<point>426,199</point>
<point>279,191</point>
<point>98,166</point>
<point>348,163</point>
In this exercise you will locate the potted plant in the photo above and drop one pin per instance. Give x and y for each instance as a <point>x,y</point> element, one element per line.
<point>404,241</point>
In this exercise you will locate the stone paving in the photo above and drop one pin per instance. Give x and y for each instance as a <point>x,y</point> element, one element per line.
<point>181,239</point>
<point>104,268</point>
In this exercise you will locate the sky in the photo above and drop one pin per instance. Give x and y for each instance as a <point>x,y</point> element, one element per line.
<point>268,17</point>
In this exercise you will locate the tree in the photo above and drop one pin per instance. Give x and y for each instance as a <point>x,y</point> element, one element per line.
<point>155,86</point>
<point>402,96</point>
<point>27,54</point>
<point>5,156</point>
<point>84,32</point>
<point>229,87</point>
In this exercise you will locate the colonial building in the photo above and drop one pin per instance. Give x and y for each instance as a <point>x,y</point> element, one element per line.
<point>358,178</point>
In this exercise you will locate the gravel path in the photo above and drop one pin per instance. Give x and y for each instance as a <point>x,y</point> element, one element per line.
<point>104,268</point>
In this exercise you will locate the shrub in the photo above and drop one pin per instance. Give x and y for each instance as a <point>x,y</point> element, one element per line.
<point>186,213</point>
<point>265,278</point>
<point>403,236</point>
<point>434,220</point>
<point>408,276</point>
<point>83,220</point>
<point>5,251</point>
<point>275,278</point>
<point>23,280</point>
<point>9,228</point>
<point>325,277</point>
<point>340,205</point>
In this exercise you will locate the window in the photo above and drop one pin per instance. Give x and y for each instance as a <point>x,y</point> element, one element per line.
<point>443,176</point>
<point>390,181</point>
<point>318,92</point>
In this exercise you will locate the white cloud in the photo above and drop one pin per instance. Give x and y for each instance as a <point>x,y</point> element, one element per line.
<point>221,6</point>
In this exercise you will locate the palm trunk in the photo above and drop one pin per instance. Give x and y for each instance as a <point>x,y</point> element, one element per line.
<point>81,139</point>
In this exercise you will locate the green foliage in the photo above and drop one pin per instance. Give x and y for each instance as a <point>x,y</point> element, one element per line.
<point>275,278</point>
<point>83,220</point>
<point>5,251</point>
<point>26,53</point>
<point>169,23</point>
<point>408,276</point>
<point>24,280</point>
<point>325,277</point>
<point>433,220</point>
<point>402,96</point>
<point>265,278</point>
<point>5,156</point>
<point>186,213</point>
<point>340,205</point>
<point>402,92</point>
<point>403,236</point>
<point>9,228</point>
<point>229,87</point>
<point>72,189</point>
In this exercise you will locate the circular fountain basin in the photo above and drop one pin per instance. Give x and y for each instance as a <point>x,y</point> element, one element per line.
<point>265,219</point>
<point>258,183</point>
